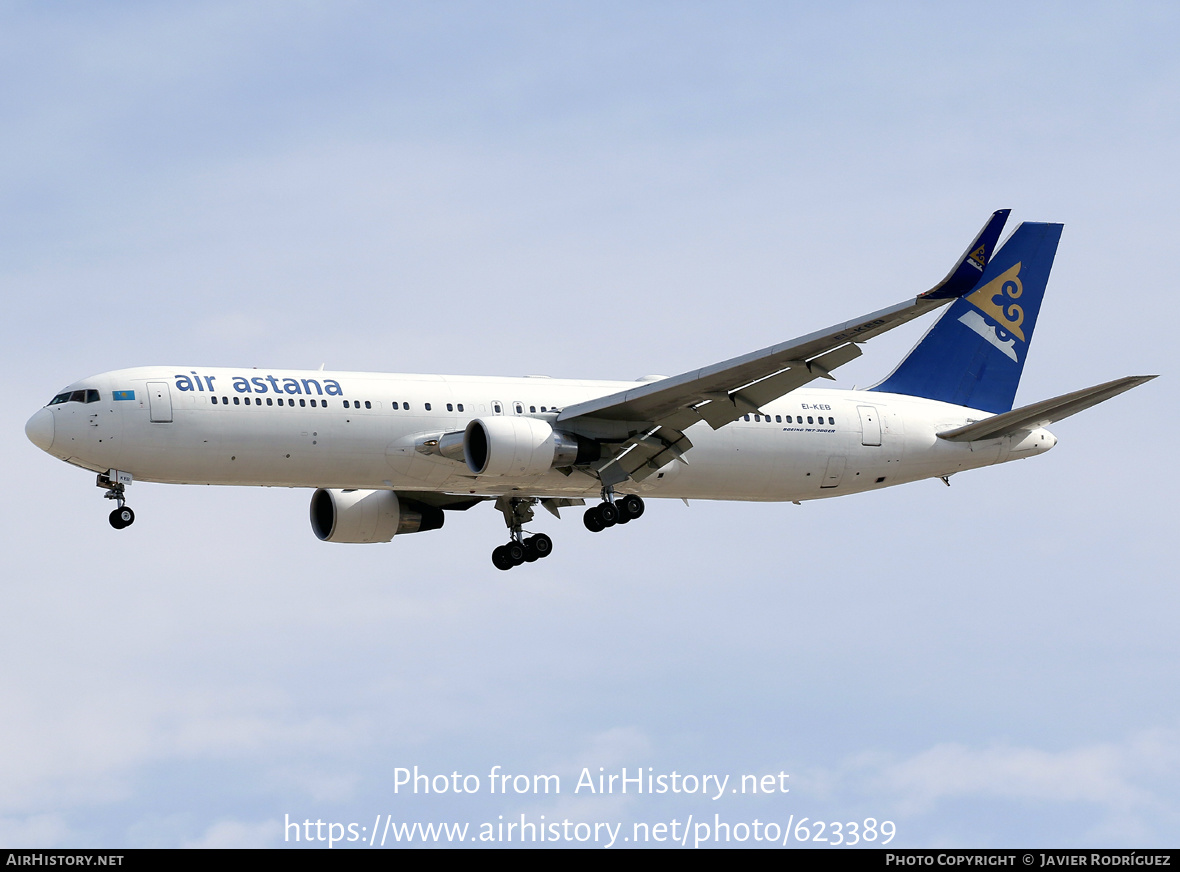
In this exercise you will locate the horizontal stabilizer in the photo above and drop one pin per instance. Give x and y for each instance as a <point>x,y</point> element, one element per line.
<point>1043,413</point>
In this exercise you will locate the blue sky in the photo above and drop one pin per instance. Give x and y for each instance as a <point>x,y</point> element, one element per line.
<point>586,191</point>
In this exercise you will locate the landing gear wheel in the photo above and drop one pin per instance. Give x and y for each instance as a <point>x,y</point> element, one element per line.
<point>121,518</point>
<point>515,552</point>
<point>500,558</point>
<point>630,507</point>
<point>609,514</point>
<point>530,552</point>
<point>593,520</point>
<point>542,544</point>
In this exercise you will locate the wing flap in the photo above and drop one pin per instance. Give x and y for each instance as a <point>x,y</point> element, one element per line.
<point>749,399</point>
<point>644,454</point>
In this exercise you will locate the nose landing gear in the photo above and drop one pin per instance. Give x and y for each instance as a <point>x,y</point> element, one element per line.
<point>116,483</point>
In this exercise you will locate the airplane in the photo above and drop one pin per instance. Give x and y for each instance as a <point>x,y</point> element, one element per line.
<point>391,454</point>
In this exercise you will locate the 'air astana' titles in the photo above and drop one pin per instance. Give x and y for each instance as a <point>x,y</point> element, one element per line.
<point>261,384</point>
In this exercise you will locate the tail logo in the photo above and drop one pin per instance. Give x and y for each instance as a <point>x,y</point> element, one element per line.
<point>996,300</point>
<point>978,258</point>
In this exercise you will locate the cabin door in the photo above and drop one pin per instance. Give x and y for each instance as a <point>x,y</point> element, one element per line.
<point>159,402</point>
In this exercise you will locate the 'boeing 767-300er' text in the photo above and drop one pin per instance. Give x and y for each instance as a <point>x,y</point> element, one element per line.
<point>391,454</point>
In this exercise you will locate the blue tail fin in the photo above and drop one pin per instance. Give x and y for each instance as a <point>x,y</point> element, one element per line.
<point>974,353</point>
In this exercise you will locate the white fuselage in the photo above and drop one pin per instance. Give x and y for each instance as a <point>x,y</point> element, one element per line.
<point>228,427</point>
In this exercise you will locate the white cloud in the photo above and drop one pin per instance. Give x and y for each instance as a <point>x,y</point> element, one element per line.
<point>1122,784</point>
<point>236,834</point>
<point>39,830</point>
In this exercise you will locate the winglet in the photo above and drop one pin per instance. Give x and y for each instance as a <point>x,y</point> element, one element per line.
<point>967,272</point>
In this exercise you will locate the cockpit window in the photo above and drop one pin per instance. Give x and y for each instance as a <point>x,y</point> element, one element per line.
<point>85,396</point>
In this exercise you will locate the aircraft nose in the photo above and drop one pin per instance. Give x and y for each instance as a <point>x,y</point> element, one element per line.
<point>39,429</point>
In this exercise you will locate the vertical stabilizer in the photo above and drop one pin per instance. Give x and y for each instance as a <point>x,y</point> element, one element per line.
<point>974,354</point>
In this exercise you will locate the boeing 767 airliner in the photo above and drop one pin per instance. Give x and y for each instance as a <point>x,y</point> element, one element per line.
<point>391,454</point>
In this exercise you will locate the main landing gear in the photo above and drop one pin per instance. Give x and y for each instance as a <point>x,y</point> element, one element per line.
<point>121,516</point>
<point>518,511</point>
<point>611,511</point>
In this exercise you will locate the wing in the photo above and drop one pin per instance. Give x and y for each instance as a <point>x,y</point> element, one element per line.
<point>648,421</point>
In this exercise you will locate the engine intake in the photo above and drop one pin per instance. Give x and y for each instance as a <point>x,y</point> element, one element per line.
<point>368,515</point>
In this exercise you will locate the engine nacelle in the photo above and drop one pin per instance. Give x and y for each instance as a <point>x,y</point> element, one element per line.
<point>509,445</point>
<point>368,515</point>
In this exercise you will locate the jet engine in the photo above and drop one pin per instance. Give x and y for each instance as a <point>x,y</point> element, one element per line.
<point>368,515</point>
<point>522,446</point>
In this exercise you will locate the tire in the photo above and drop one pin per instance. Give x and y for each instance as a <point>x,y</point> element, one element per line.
<point>500,558</point>
<point>610,515</point>
<point>593,520</point>
<point>530,552</point>
<point>121,518</point>
<point>632,506</point>
<point>543,545</point>
<point>515,552</point>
